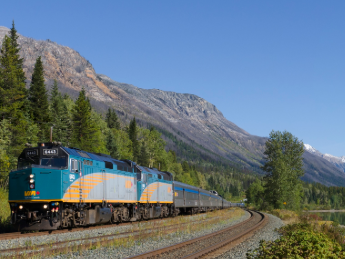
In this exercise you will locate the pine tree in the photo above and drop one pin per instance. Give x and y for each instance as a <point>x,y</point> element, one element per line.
<point>283,167</point>
<point>86,133</point>
<point>13,91</point>
<point>60,116</point>
<point>133,136</point>
<point>55,93</point>
<point>112,119</point>
<point>144,155</point>
<point>13,96</point>
<point>38,98</point>
<point>112,145</point>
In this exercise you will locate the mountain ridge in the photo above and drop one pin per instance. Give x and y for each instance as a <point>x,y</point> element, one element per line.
<point>188,117</point>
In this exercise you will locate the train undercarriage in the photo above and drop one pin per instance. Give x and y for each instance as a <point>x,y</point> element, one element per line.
<point>57,215</point>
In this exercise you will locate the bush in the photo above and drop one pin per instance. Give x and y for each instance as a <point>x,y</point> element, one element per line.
<point>284,214</point>
<point>299,241</point>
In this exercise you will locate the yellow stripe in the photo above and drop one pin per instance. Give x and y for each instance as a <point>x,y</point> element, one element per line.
<point>91,180</point>
<point>82,186</point>
<point>32,200</point>
<point>77,191</point>
<point>96,178</point>
<point>77,183</point>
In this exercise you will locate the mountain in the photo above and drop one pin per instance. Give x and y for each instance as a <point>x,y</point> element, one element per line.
<point>189,124</point>
<point>339,162</point>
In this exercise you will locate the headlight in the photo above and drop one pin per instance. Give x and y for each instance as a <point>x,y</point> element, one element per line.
<point>31,176</point>
<point>20,207</point>
<point>45,206</point>
<point>32,180</point>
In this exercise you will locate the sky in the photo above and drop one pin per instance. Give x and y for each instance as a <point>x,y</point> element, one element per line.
<point>266,65</point>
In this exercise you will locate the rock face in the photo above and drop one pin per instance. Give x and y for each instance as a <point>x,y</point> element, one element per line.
<point>186,117</point>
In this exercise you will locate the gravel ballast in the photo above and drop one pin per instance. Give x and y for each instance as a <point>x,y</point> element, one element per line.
<point>148,245</point>
<point>267,233</point>
<point>71,236</point>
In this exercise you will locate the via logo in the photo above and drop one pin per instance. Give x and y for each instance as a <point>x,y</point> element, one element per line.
<point>71,177</point>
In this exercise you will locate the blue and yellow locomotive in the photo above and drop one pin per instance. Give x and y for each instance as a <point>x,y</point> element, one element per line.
<point>58,187</point>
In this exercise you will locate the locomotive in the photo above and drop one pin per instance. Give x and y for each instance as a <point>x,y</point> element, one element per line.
<point>62,187</point>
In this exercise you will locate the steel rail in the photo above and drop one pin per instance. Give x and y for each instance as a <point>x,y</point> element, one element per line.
<point>169,249</point>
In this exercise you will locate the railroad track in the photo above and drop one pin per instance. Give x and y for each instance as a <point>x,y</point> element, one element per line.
<point>209,244</point>
<point>87,242</point>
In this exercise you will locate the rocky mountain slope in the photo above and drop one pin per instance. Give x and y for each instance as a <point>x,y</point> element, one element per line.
<point>339,162</point>
<point>185,117</point>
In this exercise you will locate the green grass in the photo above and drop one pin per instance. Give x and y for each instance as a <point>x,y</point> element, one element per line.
<point>5,212</point>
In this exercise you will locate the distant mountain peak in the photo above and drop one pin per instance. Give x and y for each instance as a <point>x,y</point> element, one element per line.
<point>337,161</point>
<point>309,148</point>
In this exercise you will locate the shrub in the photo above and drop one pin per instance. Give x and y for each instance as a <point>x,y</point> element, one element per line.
<point>299,241</point>
<point>283,214</point>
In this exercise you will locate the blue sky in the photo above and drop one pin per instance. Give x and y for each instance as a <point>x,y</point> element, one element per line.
<point>267,65</point>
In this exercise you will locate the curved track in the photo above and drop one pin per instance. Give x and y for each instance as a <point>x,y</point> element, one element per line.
<point>202,246</point>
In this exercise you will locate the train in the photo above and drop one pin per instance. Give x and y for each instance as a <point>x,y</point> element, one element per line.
<point>57,187</point>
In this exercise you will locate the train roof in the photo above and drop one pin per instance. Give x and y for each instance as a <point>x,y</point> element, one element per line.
<point>106,158</point>
<point>94,156</point>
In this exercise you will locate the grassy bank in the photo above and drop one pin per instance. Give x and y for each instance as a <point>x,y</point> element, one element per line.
<point>5,212</point>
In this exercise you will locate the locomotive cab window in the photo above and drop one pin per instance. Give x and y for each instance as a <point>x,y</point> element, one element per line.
<point>59,162</point>
<point>26,163</point>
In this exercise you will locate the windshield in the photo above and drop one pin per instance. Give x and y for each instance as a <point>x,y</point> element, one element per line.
<point>54,162</point>
<point>26,163</point>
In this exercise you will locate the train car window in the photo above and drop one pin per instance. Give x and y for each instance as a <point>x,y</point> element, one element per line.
<point>139,176</point>
<point>109,165</point>
<point>129,169</point>
<point>159,176</point>
<point>120,167</point>
<point>149,175</point>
